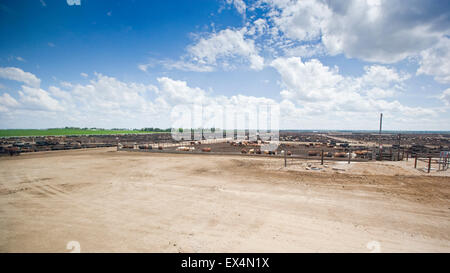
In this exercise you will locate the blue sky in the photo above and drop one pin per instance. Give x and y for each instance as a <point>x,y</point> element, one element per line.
<point>128,63</point>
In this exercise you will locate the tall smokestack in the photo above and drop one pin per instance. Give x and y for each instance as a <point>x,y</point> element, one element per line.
<point>381,123</point>
<point>380,145</point>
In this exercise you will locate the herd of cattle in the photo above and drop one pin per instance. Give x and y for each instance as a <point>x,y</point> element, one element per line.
<point>258,148</point>
<point>318,145</point>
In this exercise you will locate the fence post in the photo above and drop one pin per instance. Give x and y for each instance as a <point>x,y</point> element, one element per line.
<point>415,162</point>
<point>407,156</point>
<point>321,163</point>
<point>429,164</point>
<point>285,157</point>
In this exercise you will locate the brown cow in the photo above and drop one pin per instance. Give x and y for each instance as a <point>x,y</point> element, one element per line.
<point>339,154</point>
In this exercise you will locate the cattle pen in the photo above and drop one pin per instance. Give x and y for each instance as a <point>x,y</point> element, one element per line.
<point>290,153</point>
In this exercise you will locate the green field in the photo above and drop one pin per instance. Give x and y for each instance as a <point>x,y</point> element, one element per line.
<point>67,132</point>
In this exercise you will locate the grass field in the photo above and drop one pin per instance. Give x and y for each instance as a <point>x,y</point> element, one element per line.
<point>65,131</point>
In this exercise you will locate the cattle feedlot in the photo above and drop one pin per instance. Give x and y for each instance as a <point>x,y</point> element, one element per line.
<point>224,135</point>
<point>141,200</point>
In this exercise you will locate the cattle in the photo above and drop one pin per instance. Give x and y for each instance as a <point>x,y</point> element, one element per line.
<point>207,149</point>
<point>289,153</point>
<point>127,146</point>
<point>258,151</point>
<point>243,151</point>
<point>183,149</point>
<point>12,151</point>
<point>361,153</point>
<point>251,151</point>
<point>160,147</point>
<point>340,154</point>
<point>312,153</point>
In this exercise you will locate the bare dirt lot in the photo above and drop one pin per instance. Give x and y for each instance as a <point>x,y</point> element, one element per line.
<point>111,201</point>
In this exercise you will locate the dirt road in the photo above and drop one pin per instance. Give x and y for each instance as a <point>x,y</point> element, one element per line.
<point>108,201</point>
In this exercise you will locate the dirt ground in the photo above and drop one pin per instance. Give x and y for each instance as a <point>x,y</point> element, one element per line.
<point>109,201</point>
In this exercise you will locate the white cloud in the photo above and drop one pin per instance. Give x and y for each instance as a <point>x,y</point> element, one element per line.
<point>178,92</point>
<point>311,89</point>
<point>376,31</point>
<point>435,61</point>
<point>50,44</point>
<point>310,81</point>
<point>6,101</point>
<point>223,46</point>
<point>313,96</point>
<point>84,75</point>
<point>301,20</point>
<point>38,99</point>
<point>73,2</point>
<point>239,5</point>
<point>143,67</point>
<point>187,65</point>
<point>382,76</point>
<point>17,74</point>
<point>257,27</point>
<point>20,59</point>
<point>445,97</point>
<point>305,50</point>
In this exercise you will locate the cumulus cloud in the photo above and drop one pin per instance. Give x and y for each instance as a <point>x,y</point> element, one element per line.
<point>226,49</point>
<point>311,89</point>
<point>313,96</point>
<point>375,30</point>
<point>223,46</point>
<point>17,74</point>
<point>435,61</point>
<point>6,101</point>
<point>38,99</point>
